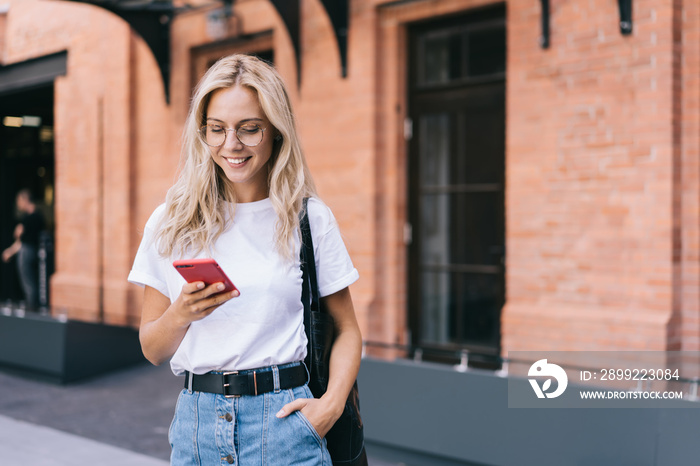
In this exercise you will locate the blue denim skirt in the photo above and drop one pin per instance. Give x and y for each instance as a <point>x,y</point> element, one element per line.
<point>210,429</point>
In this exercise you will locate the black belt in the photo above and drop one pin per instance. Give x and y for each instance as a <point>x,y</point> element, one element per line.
<point>249,382</point>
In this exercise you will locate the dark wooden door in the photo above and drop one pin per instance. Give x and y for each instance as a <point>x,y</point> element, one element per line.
<point>457,181</point>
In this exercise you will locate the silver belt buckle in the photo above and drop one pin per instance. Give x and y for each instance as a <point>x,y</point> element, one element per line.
<point>228,385</point>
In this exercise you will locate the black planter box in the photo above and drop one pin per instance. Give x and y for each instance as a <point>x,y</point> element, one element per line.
<point>65,351</point>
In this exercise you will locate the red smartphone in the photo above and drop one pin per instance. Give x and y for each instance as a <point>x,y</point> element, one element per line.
<point>203,270</point>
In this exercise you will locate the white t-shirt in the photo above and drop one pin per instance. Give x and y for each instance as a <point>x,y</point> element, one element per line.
<point>265,324</point>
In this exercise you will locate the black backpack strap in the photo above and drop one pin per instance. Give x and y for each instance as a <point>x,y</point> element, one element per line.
<point>304,225</point>
<point>309,293</point>
<point>308,264</point>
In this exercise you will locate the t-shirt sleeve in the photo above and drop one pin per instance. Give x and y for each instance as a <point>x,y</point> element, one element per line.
<point>149,265</point>
<point>333,264</point>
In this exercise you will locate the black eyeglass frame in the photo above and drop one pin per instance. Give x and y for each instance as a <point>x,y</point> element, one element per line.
<point>203,137</point>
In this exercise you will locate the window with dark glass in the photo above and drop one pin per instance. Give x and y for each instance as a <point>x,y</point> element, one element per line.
<point>456,189</point>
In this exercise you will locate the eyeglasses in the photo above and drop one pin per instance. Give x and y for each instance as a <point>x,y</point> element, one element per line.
<point>215,135</point>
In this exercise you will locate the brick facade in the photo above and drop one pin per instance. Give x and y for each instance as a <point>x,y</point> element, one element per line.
<point>602,149</point>
<point>602,191</point>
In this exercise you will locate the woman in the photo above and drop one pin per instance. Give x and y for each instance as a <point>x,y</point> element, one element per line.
<point>237,199</point>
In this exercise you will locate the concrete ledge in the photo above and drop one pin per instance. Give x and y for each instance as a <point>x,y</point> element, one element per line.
<point>62,352</point>
<point>463,418</point>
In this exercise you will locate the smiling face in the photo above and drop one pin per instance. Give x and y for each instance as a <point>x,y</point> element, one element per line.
<point>246,167</point>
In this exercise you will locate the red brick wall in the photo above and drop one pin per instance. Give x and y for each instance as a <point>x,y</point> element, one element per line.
<point>603,141</point>
<point>688,283</point>
<point>592,159</point>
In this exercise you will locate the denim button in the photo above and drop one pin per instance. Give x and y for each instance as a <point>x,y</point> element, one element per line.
<point>229,459</point>
<point>228,417</point>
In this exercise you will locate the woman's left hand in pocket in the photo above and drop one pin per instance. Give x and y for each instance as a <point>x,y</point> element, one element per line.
<point>316,411</point>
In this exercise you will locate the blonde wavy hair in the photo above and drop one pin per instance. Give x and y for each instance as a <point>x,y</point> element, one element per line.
<point>197,204</point>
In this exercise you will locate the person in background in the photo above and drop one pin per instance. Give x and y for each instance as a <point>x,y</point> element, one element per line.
<point>26,247</point>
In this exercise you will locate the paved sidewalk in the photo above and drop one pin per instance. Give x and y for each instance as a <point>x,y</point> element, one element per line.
<point>22,443</point>
<point>129,409</point>
<point>118,419</point>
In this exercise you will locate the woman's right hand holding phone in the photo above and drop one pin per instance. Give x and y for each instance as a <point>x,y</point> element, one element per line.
<point>164,324</point>
<point>197,301</point>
